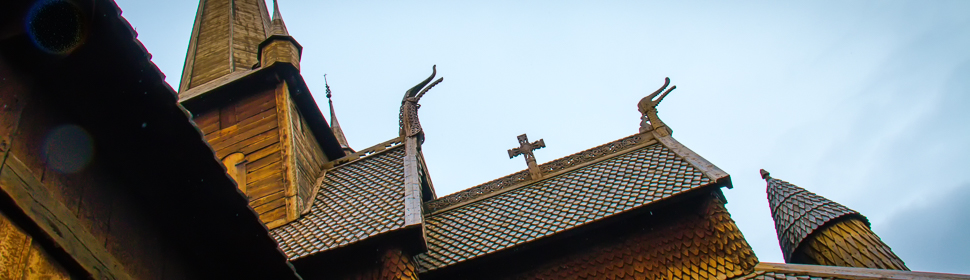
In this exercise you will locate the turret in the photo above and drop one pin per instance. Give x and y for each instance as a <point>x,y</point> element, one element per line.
<point>814,230</point>
<point>279,46</point>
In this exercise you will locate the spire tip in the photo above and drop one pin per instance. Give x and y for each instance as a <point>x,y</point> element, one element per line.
<point>765,175</point>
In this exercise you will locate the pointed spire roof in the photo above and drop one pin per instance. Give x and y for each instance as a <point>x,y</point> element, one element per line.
<point>334,124</point>
<point>278,27</point>
<point>798,212</point>
<point>224,40</point>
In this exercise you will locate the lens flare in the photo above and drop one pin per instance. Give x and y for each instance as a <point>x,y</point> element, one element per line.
<point>55,26</point>
<point>68,148</point>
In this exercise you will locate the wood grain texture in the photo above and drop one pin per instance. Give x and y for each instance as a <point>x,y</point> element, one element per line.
<point>22,258</point>
<point>255,132</point>
<point>285,110</point>
<point>225,38</point>
<point>57,222</point>
<point>309,159</point>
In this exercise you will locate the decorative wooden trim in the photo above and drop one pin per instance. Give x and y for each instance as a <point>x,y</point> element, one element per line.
<point>57,222</point>
<point>412,183</point>
<point>706,167</point>
<point>383,146</point>
<point>316,190</point>
<point>840,272</point>
<point>286,150</point>
<point>232,23</point>
<point>550,169</point>
<point>216,83</point>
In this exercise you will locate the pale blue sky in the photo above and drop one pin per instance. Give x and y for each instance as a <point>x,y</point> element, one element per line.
<point>862,102</point>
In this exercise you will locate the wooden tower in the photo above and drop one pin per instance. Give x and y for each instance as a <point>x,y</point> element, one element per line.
<point>814,230</point>
<point>242,83</point>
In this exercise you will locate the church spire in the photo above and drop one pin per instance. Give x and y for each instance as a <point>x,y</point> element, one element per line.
<point>224,39</point>
<point>334,125</point>
<point>278,27</point>
<point>814,230</point>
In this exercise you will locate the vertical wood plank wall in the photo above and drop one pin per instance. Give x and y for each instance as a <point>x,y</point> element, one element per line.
<point>88,212</point>
<point>247,28</point>
<point>212,48</point>
<point>283,157</point>
<point>250,126</point>
<point>309,158</point>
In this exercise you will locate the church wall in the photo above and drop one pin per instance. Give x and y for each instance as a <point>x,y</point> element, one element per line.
<point>250,125</point>
<point>68,200</point>
<point>309,158</point>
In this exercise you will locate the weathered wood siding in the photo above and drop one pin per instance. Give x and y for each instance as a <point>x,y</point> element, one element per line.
<point>309,158</point>
<point>227,37</point>
<point>283,157</point>
<point>23,258</point>
<point>248,31</point>
<point>87,214</point>
<point>212,44</point>
<point>249,125</point>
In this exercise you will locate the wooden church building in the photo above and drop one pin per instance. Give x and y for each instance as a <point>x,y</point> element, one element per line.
<point>108,172</point>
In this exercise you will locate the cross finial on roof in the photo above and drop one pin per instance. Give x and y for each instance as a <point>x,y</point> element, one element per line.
<point>525,149</point>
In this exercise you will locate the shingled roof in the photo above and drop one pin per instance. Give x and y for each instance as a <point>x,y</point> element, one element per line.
<point>356,200</point>
<point>798,212</point>
<point>577,190</point>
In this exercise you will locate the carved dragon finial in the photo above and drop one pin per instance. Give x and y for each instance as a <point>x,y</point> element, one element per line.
<point>648,110</point>
<point>409,123</point>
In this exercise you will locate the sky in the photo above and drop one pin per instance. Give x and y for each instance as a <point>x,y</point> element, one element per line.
<point>863,102</point>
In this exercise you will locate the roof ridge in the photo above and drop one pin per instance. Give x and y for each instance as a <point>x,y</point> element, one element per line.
<point>549,169</point>
<point>366,153</point>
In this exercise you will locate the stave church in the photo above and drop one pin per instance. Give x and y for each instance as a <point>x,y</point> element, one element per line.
<point>108,172</point>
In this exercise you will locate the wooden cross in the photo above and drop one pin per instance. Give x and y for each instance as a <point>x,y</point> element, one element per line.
<point>525,148</point>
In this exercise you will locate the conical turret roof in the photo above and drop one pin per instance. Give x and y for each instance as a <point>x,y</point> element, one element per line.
<point>798,212</point>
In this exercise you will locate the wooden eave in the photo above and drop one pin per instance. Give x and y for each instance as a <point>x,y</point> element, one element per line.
<point>216,92</point>
<point>150,142</point>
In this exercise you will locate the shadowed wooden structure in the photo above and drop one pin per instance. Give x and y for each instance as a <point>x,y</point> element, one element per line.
<point>112,174</point>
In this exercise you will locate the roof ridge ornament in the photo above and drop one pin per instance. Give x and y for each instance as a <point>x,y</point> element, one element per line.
<point>525,149</point>
<point>648,111</point>
<point>409,123</point>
